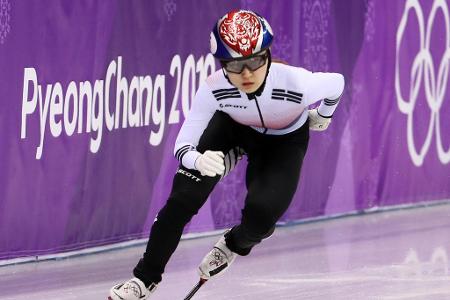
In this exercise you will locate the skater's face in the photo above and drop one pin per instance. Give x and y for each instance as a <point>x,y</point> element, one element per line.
<point>249,74</point>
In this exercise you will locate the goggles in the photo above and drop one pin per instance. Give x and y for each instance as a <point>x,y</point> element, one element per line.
<point>253,63</point>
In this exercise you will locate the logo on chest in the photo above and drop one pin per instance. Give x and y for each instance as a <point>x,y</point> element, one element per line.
<point>223,94</point>
<point>285,95</point>
<point>221,105</point>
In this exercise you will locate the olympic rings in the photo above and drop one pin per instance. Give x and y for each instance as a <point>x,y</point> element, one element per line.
<point>423,70</point>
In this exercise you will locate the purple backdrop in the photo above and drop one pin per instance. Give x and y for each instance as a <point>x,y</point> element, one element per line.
<point>93,94</point>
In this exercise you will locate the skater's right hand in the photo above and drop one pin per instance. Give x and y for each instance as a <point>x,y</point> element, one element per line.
<point>210,163</point>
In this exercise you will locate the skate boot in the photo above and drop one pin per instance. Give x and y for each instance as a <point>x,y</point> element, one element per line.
<point>217,260</point>
<point>133,289</point>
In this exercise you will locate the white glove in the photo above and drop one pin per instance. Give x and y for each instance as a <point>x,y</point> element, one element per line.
<point>210,163</point>
<point>316,121</point>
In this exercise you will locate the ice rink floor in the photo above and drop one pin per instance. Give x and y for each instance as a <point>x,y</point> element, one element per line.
<point>391,255</point>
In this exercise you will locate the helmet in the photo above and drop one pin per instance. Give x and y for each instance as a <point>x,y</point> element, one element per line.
<point>239,34</point>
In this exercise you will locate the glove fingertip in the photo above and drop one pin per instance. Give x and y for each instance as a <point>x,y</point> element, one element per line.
<point>221,154</point>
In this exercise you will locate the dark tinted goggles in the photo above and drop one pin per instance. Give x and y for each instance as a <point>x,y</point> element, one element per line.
<point>253,63</point>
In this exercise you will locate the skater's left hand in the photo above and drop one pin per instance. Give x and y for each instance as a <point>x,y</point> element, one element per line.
<point>318,122</point>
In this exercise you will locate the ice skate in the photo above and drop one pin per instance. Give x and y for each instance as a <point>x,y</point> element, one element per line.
<point>217,260</point>
<point>133,289</point>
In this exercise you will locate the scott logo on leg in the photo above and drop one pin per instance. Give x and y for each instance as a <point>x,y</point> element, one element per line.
<point>181,171</point>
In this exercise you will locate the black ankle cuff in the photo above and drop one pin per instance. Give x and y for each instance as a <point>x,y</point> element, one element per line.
<point>232,245</point>
<point>145,276</point>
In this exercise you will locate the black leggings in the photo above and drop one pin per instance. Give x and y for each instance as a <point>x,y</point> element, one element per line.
<point>274,163</point>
